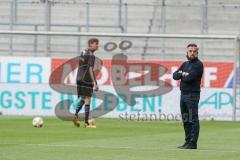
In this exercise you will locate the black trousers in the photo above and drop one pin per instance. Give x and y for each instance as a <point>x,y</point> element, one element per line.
<point>189,111</point>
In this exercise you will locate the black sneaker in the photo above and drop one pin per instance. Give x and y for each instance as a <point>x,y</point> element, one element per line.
<point>190,146</point>
<point>181,147</point>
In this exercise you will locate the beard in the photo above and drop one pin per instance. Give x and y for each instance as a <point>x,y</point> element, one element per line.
<point>192,57</point>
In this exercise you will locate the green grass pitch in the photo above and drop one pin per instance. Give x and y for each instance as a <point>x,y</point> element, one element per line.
<point>114,139</point>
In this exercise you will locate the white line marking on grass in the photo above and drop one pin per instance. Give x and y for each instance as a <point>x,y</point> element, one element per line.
<point>122,147</point>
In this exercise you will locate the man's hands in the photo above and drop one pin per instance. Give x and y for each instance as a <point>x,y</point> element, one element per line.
<point>184,74</point>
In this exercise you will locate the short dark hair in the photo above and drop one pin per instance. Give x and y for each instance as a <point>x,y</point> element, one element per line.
<point>92,40</point>
<point>192,45</point>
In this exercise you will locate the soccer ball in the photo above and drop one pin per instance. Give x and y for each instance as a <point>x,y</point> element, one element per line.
<point>37,122</point>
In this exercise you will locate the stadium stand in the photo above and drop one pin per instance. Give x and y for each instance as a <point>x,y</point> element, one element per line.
<point>137,16</point>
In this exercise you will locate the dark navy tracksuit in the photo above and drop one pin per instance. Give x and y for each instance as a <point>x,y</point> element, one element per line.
<point>190,95</point>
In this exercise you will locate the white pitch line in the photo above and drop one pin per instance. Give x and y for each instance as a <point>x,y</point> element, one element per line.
<point>123,147</point>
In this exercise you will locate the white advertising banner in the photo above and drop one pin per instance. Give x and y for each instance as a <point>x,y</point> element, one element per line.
<point>24,70</point>
<point>24,90</point>
<point>40,99</point>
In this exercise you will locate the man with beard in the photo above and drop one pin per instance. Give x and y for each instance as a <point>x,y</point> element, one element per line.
<point>190,74</point>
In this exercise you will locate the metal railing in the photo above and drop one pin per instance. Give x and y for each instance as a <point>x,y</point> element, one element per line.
<point>130,35</point>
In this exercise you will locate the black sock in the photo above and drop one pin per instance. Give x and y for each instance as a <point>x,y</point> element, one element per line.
<point>87,111</point>
<point>79,107</point>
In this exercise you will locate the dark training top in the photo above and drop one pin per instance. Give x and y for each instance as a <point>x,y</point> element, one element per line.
<point>85,73</point>
<point>192,82</point>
